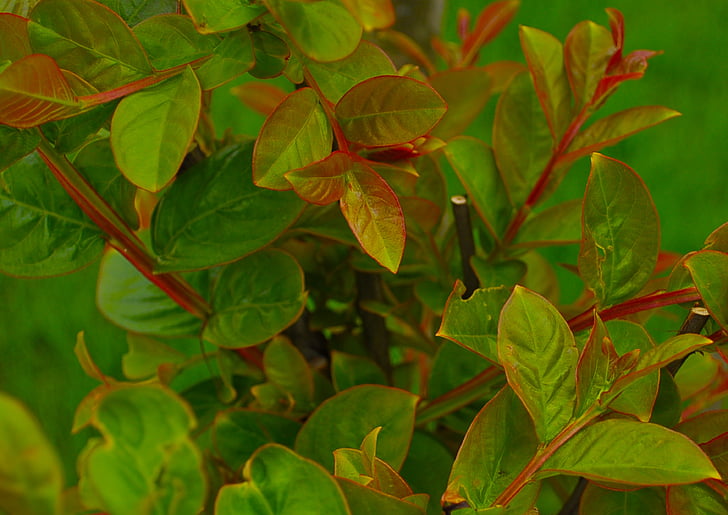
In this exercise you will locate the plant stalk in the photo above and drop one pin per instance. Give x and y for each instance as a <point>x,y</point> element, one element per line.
<point>464,228</point>
<point>694,323</point>
<point>376,335</point>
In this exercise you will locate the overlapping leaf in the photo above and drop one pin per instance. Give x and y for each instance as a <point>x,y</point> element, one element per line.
<point>222,15</point>
<point>587,52</point>
<point>466,92</point>
<point>621,234</point>
<point>14,42</point>
<point>710,275</point>
<point>16,143</point>
<point>134,11</point>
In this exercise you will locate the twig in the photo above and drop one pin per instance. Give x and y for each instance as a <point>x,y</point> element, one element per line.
<point>376,336</point>
<point>464,228</point>
<point>694,323</point>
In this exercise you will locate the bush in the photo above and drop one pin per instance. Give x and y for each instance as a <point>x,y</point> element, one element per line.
<point>356,311</point>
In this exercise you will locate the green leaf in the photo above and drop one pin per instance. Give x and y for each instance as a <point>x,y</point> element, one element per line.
<point>363,500</point>
<point>372,14</point>
<point>323,30</point>
<point>222,15</point>
<point>146,355</point>
<point>31,477</point>
<point>14,42</point>
<point>255,298</point>
<point>717,451</point>
<point>499,443</point>
<point>238,433</point>
<point>231,57</point>
<point>621,232</point>
<point>389,110</point>
<point>70,134</point>
<point>521,137</point>
<point>375,216</point>
<point>539,356</point>
<point>16,143</point>
<point>601,501</point>
<point>214,213</point>
<point>96,162</point>
<point>705,426</point>
<point>33,91</point>
<point>594,373</point>
<point>366,407</point>
<point>287,369</point>
<point>587,51</point>
<point>42,231</point>
<point>279,482</point>
<point>143,456</point>
<point>295,135</point>
<point>131,301</point>
<point>668,404</point>
<point>90,40</point>
<point>322,182</point>
<point>545,56</point>
<point>271,55</point>
<point>152,129</point>
<point>614,128</point>
<point>605,451</point>
<point>474,164</point>
<point>559,224</point>
<point>427,468</point>
<point>710,275</point>
<point>348,370</point>
<point>171,40</point>
<point>473,322</point>
<point>466,92</point>
<point>134,11</point>
<point>337,77</point>
<point>697,499</point>
<point>503,273</point>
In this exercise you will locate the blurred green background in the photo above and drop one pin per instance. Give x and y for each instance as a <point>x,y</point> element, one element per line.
<point>683,162</point>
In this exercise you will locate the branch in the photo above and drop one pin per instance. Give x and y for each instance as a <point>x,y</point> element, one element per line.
<point>464,228</point>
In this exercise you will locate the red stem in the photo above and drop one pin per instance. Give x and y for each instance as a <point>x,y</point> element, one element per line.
<point>630,307</point>
<point>341,140</point>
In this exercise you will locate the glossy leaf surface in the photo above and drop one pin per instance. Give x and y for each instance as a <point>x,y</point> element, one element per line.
<point>605,451</point>
<point>31,478</point>
<point>43,232</point>
<point>279,482</point>
<point>366,407</point>
<point>710,275</point>
<point>295,135</point>
<point>90,40</point>
<point>539,356</point>
<point>389,110</point>
<point>324,30</point>
<point>222,15</point>
<point>151,130</point>
<point>214,214</point>
<point>621,234</point>
<point>499,443</point>
<point>144,454</point>
<point>255,298</point>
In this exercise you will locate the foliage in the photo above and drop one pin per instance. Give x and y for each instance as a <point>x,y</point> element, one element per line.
<point>393,355</point>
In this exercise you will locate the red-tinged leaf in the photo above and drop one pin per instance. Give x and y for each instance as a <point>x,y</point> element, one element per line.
<point>631,67</point>
<point>705,427</point>
<point>389,110</point>
<point>709,269</point>
<point>259,96</point>
<point>545,56</point>
<point>33,91</point>
<point>407,46</point>
<point>466,92</point>
<point>621,232</point>
<point>221,15</point>
<point>322,182</point>
<point>614,128</point>
<point>501,73</point>
<point>89,39</point>
<point>295,135</point>
<point>587,52</point>
<point>375,217</point>
<point>372,14</point>
<point>606,451</point>
<point>717,451</point>
<point>695,499</point>
<point>323,30</point>
<point>593,373</point>
<point>14,42</point>
<point>489,24</point>
<point>616,25</point>
<point>539,355</point>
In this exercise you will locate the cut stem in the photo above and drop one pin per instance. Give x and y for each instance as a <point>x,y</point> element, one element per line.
<point>694,323</point>
<point>464,228</point>
<point>376,336</point>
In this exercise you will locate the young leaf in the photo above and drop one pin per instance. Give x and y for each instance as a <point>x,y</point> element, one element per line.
<point>152,129</point>
<point>389,110</point>
<point>222,15</point>
<point>521,137</point>
<point>323,30</point>
<point>539,356</point>
<point>322,182</point>
<point>499,443</point>
<point>144,454</point>
<point>544,54</point>
<point>710,275</point>
<point>489,24</point>
<point>375,216</point>
<point>473,322</point>
<point>131,301</point>
<point>621,233</point>
<point>587,52</point>
<point>255,298</point>
<point>474,164</point>
<point>605,451</point>
<point>366,407</point>
<point>466,92</point>
<point>192,228</point>
<point>34,91</point>
<point>31,477</point>
<point>295,135</point>
<point>90,40</point>
<point>336,78</point>
<point>43,232</point>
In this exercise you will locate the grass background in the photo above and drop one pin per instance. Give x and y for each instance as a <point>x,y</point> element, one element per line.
<point>683,163</point>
